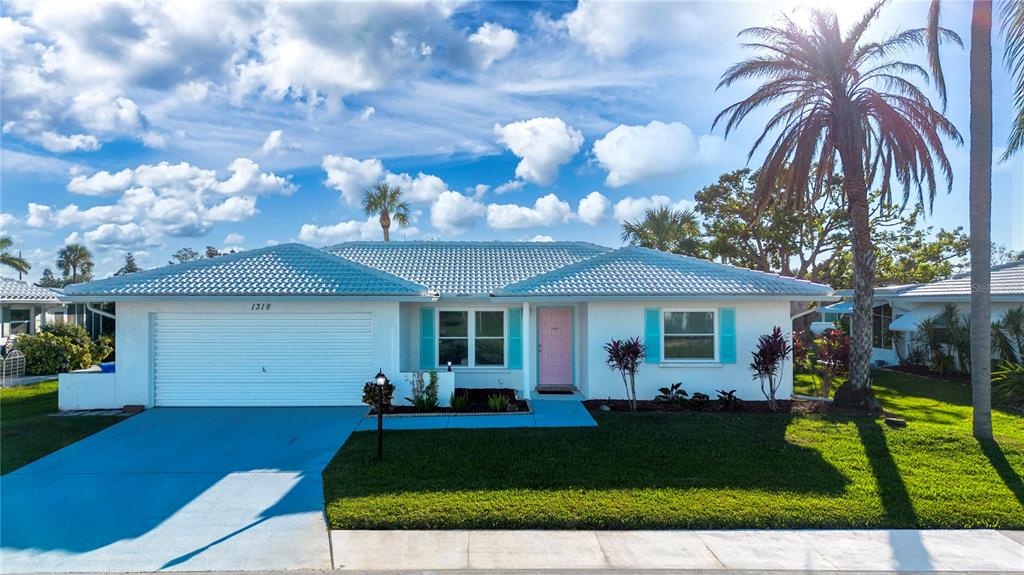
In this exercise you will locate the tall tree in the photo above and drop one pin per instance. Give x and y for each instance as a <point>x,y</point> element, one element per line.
<point>843,100</point>
<point>185,255</point>
<point>666,229</point>
<point>8,259</point>
<point>981,173</point>
<point>386,201</point>
<point>75,262</point>
<point>48,280</point>
<point>129,266</point>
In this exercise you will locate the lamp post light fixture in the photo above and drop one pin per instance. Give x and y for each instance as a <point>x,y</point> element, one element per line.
<point>381,380</point>
<point>449,365</point>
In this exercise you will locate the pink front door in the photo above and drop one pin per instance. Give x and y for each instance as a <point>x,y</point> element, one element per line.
<point>554,346</point>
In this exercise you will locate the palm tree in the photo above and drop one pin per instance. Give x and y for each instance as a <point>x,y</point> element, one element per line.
<point>387,201</point>
<point>75,261</point>
<point>666,229</point>
<point>10,260</point>
<point>981,175</point>
<point>843,100</point>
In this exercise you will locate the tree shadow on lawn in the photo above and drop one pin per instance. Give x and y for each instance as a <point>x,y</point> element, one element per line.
<point>1002,466</point>
<point>626,451</point>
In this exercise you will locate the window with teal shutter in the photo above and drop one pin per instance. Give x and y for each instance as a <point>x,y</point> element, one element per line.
<point>427,359</point>
<point>652,334</point>
<point>727,335</point>
<point>515,338</point>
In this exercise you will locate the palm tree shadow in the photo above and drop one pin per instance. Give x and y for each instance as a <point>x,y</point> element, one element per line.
<point>907,548</point>
<point>997,458</point>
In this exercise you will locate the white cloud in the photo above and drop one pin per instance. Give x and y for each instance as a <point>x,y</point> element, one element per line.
<point>613,29</point>
<point>492,42</point>
<point>6,223</point>
<point>108,236</point>
<point>367,112</point>
<point>154,140</point>
<point>247,179</point>
<point>632,209</point>
<point>234,209</point>
<point>59,143</point>
<point>422,188</point>
<point>277,143</point>
<point>368,229</point>
<point>541,238</point>
<point>234,239</point>
<point>509,186</point>
<point>592,208</point>
<point>546,211</point>
<point>101,183</point>
<point>351,176</point>
<point>636,153</point>
<point>453,212</point>
<point>98,110</point>
<point>543,144</point>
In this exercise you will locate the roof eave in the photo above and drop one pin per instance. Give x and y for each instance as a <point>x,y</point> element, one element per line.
<point>662,297</point>
<point>1011,298</point>
<point>94,298</point>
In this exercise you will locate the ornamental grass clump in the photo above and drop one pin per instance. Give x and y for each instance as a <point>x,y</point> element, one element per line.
<point>768,363</point>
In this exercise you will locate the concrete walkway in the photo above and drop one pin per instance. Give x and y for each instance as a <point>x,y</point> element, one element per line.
<point>546,413</point>
<point>803,550</point>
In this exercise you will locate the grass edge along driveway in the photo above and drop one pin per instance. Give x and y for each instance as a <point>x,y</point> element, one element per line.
<point>27,432</point>
<point>692,470</point>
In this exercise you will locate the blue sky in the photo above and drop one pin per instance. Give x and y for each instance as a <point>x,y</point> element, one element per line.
<point>145,127</point>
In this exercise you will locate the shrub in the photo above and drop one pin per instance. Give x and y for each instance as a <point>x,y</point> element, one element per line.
<point>625,356</point>
<point>833,351</point>
<point>459,401</point>
<point>1008,385</point>
<point>727,400</point>
<point>424,395</point>
<point>699,401</point>
<point>370,394</point>
<point>497,403</point>
<point>772,350</point>
<point>674,395</point>
<point>46,353</point>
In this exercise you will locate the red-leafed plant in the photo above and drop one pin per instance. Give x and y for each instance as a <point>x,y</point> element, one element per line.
<point>833,351</point>
<point>625,356</point>
<point>768,363</point>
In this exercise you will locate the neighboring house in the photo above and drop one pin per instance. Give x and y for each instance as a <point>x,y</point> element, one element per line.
<point>901,308</point>
<point>24,308</point>
<point>295,325</point>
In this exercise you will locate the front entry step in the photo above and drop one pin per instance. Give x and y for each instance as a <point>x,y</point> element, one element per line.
<point>555,389</point>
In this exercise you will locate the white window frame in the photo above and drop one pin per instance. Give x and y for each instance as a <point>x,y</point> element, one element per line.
<point>715,336</point>
<point>28,321</point>
<point>471,336</point>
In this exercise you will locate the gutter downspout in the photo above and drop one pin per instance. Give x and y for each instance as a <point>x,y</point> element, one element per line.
<point>88,307</point>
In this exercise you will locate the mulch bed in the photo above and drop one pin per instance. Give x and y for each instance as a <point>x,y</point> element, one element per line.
<point>785,406</point>
<point>924,371</point>
<point>477,403</point>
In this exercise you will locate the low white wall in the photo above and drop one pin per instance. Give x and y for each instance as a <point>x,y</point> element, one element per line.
<point>88,389</point>
<point>608,320</point>
<point>134,346</point>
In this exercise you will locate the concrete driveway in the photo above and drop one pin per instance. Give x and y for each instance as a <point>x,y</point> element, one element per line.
<point>187,489</point>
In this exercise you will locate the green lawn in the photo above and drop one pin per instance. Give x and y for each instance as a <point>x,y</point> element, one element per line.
<point>695,470</point>
<point>28,433</point>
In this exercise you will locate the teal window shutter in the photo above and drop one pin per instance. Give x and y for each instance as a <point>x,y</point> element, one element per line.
<point>652,334</point>
<point>428,357</point>
<point>727,335</point>
<point>515,338</point>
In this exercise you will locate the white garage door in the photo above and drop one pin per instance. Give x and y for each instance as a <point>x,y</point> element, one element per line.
<point>261,359</point>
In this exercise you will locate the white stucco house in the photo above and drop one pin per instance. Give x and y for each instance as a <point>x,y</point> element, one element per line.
<point>296,325</point>
<point>25,308</point>
<point>901,308</point>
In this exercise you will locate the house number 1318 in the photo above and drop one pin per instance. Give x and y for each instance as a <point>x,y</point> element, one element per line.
<point>260,307</point>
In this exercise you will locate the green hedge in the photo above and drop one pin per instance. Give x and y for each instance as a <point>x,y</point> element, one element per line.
<point>61,347</point>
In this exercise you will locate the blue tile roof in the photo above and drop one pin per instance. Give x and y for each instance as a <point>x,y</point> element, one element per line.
<point>12,290</point>
<point>282,270</point>
<point>466,267</point>
<point>636,271</point>
<point>1007,283</point>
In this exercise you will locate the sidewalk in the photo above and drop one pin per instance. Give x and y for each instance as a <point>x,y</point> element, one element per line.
<point>842,551</point>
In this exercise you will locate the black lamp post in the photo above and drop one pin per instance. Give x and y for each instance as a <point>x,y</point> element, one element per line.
<point>449,365</point>
<point>381,380</point>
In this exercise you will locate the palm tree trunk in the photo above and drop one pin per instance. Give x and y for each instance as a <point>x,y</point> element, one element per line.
<point>856,392</point>
<point>981,217</point>
<point>385,224</point>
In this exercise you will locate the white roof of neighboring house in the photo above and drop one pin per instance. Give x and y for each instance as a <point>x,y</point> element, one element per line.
<point>1007,285</point>
<point>17,291</point>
